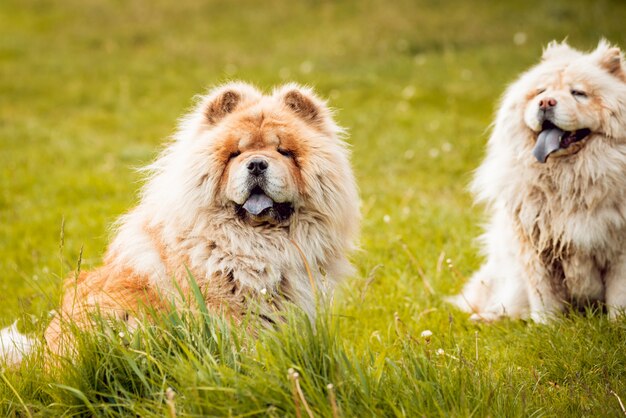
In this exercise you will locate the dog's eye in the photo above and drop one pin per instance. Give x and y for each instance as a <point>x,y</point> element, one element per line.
<point>539,91</point>
<point>234,154</point>
<point>285,152</point>
<point>578,93</point>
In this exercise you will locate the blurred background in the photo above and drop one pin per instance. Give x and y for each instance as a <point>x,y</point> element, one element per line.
<point>89,89</point>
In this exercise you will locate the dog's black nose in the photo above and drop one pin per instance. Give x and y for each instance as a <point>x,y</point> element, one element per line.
<point>257,166</point>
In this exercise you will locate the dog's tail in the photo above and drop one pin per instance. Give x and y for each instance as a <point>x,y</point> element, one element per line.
<point>14,345</point>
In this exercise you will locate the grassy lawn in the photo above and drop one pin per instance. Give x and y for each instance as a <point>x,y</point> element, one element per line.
<point>89,89</point>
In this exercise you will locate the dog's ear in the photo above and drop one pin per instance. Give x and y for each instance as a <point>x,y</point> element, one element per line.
<point>610,58</point>
<point>225,99</point>
<point>555,49</point>
<point>305,104</point>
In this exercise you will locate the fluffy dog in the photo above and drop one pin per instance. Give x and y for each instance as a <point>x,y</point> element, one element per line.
<point>254,197</point>
<point>554,183</point>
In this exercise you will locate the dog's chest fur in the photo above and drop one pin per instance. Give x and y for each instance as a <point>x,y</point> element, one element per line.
<point>233,260</point>
<point>575,226</point>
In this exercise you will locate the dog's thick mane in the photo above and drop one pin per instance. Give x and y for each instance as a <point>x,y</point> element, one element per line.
<point>179,216</point>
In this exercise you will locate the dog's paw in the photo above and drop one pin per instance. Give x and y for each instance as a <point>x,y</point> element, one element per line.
<point>459,301</point>
<point>485,316</point>
<point>616,313</point>
<point>540,317</point>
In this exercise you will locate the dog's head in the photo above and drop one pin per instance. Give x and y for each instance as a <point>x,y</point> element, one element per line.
<point>572,98</point>
<point>262,158</point>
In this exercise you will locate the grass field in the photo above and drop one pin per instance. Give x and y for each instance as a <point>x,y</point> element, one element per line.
<point>90,88</point>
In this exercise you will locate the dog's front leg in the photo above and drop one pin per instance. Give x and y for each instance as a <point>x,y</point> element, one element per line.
<point>583,279</point>
<point>615,288</point>
<point>544,302</point>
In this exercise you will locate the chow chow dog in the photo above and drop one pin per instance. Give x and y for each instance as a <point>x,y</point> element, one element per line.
<point>254,198</point>
<point>554,183</point>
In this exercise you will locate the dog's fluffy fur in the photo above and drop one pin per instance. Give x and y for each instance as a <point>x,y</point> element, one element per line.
<point>557,231</point>
<point>253,190</point>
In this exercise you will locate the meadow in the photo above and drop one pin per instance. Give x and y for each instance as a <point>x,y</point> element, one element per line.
<point>90,89</point>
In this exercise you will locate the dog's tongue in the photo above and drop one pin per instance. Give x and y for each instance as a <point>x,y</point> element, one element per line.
<point>548,141</point>
<point>257,203</point>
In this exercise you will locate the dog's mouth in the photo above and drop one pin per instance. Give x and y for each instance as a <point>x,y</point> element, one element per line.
<point>552,140</point>
<point>260,208</point>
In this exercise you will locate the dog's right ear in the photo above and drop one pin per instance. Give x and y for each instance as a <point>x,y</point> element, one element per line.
<point>555,49</point>
<point>225,99</point>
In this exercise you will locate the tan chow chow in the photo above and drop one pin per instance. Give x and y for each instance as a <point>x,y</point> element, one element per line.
<point>554,183</point>
<point>254,197</point>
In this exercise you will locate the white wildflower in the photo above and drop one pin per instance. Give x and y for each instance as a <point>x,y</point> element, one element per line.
<point>433,125</point>
<point>419,59</point>
<point>284,73</point>
<point>408,92</point>
<point>402,45</point>
<point>520,38</point>
<point>230,69</point>
<point>306,67</point>
<point>402,106</point>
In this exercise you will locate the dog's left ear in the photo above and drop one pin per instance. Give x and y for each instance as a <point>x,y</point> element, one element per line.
<point>305,104</point>
<point>611,59</point>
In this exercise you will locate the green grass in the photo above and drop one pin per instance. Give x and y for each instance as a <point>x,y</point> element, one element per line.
<point>88,91</point>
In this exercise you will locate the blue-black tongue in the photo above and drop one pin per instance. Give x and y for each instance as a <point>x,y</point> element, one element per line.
<point>257,203</point>
<point>548,141</point>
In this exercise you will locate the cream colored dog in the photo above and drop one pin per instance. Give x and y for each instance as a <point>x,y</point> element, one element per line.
<point>554,182</point>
